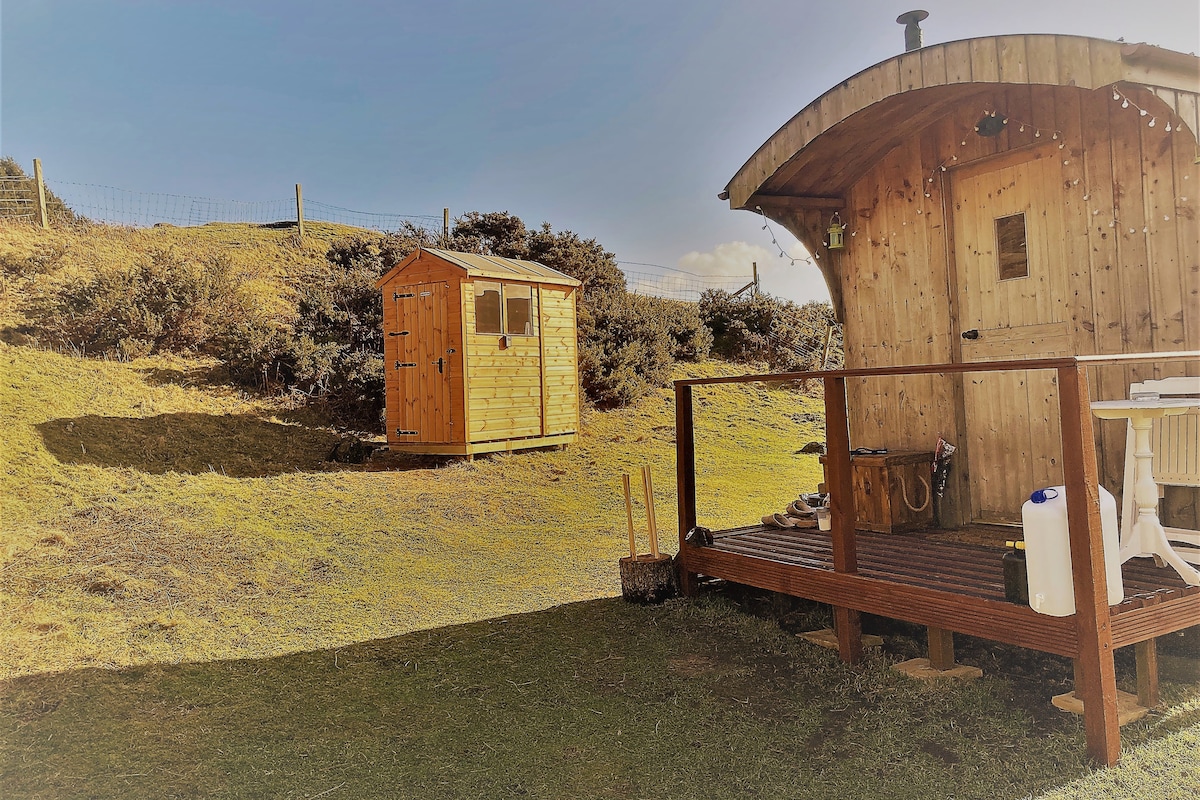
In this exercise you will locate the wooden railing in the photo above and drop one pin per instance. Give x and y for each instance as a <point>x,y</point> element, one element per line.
<point>1094,663</point>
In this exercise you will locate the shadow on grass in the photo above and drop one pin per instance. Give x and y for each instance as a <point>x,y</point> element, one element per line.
<point>595,699</point>
<point>240,446</point>
<point>205,376</point>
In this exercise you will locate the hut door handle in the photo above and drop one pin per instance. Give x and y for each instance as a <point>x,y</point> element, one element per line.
<point>439,363</point>
<point>971,334</point>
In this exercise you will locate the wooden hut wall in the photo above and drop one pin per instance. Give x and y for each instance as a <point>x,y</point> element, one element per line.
<point>1123,196</point>
<point>504,395</point>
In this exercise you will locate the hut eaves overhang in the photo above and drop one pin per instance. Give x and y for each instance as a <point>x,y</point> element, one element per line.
<point>818,154</point>
<point>494,267</point>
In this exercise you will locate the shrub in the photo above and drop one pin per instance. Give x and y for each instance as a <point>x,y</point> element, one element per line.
<point>761,327</point>
<point>167,300</point>
<point>691,340</point>
<point>624,349</point>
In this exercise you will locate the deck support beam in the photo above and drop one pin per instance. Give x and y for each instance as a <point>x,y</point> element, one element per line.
<point>685,480</point>
<point>1095,670</point>
<point>847,622</point>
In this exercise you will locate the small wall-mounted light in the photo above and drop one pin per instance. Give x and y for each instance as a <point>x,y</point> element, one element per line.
<point>837,233</point>
<point>991,124</point>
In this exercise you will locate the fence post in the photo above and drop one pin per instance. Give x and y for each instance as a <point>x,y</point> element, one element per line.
<point>299,211</point>
<point>445,227</point>
<point>43,217</point>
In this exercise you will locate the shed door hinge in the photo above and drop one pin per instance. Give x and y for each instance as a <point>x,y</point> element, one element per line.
<point>402,432</point>
<point>401,364</point>
<point>397,295</point>
<point>398,333</point>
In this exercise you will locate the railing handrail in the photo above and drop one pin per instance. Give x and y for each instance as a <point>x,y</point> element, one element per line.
<point>972,366</point>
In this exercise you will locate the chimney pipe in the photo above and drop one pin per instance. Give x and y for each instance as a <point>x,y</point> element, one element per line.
<point>911,20</point>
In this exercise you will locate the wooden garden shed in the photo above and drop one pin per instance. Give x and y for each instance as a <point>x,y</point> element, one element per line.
<point>480,354</point>
<point>1008,230</point>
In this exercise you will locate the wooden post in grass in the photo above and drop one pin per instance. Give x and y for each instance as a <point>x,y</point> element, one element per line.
<point>43,215</point>
<point>299,211</point>
<point>847,622</point>
<point>685,480</point>
<point>646,578</point>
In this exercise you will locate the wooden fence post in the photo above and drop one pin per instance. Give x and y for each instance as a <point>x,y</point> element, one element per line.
<point>299,211</point>
<point>1097,680</point>
<point>43,216</point>
<point>445,227</point>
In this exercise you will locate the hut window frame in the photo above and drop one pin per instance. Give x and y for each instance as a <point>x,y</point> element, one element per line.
<point>507,312</point>
<point>1012,250</point>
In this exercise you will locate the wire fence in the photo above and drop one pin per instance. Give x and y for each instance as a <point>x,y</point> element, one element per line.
<point>677,284</point>
<point>17,197</point>
<point>115,206</point>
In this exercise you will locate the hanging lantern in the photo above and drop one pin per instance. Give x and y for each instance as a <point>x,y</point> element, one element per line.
<point>837,240</point>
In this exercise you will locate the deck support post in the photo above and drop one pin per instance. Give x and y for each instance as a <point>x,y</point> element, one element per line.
<point>941,649</point>
<point>685,480</point>
<point>1095,670</point>
<point>1146,659</point>
<point>847,622</point>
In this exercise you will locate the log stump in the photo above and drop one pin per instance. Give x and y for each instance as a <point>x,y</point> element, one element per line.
<point>647,579</point>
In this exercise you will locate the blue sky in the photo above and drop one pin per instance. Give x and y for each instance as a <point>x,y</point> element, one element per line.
<point>619,120</point>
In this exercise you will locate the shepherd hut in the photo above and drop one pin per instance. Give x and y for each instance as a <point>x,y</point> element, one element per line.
<point>1007,226</point>
<point>480,354</point>
<point>989,199</point>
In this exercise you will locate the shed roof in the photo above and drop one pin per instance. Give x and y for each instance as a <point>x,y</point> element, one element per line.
<point>871,112</point>
<point>480,266</point>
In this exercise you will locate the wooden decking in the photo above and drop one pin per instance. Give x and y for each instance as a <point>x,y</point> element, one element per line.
<point>927,579</point>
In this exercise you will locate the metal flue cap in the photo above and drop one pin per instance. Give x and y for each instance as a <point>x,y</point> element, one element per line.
<point>911,20</point>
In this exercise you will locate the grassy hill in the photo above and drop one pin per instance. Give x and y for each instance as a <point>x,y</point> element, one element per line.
<point>151,516</point>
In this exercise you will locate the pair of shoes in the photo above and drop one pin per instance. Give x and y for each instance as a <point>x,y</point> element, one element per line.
<point>799,508</point>
<point>778,521</point>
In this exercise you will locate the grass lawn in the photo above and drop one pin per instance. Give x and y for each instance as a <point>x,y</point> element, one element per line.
<point>194,603</point>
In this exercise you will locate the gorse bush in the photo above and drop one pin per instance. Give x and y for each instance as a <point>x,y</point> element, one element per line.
<point>763,328</point>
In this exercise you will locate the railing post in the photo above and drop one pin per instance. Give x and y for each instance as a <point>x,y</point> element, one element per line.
<point>685,480</point>
<point>847,623</point>
<point>1097,683</point>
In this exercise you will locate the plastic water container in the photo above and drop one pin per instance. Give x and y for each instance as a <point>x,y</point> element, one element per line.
<point>1048,551</point>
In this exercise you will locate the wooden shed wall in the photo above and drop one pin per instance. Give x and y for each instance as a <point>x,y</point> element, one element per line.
<point>504,385</point>
<point>560,359</point>
<point>1122,194</point>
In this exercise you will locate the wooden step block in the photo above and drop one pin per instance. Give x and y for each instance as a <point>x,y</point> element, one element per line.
<point>827,638</point>
<point>1128,709</point>
<point>920,668</point>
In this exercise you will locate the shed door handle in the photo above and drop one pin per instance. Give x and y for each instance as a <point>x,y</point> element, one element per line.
<point>971,334</point>
<point>439,363</point>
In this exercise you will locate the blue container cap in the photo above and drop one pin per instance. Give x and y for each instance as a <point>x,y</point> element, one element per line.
<point>1042,495</point>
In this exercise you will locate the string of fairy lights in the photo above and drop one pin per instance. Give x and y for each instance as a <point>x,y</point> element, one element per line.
<point>990,124</point>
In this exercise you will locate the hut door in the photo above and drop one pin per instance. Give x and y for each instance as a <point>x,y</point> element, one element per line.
<point>419,358</point>
<point>1011,274</point>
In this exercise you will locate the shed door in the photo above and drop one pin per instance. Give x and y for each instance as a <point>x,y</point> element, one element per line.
<point>418,355</point>
<point>1012,290</point>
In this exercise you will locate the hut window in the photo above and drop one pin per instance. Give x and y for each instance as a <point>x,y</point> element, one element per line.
<point>518,310</point>
<point>1010,247</point>
<point>487,307</point>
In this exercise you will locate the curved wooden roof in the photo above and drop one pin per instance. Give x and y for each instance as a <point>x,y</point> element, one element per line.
<point>879,107</point>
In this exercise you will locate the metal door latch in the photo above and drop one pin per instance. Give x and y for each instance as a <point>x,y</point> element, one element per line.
<point>971,335</point>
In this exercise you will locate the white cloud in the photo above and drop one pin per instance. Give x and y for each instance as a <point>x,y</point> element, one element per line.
<point>777,275</point>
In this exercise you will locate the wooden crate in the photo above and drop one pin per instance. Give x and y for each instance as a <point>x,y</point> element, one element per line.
<point>887,489</point>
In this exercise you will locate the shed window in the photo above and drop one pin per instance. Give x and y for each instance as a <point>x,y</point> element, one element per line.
<point>518,310</point>
<point>1011,254</point>
<point>487,307</point>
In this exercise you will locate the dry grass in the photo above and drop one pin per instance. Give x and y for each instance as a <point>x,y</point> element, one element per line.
<point>149,519</point>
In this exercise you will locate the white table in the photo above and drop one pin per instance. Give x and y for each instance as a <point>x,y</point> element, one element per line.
<point>1147,537</point>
